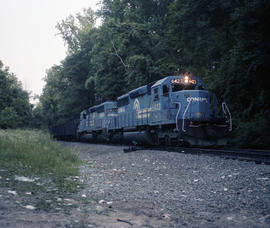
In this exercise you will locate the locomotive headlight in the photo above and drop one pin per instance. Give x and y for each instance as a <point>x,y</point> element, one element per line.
<point>186,79</point>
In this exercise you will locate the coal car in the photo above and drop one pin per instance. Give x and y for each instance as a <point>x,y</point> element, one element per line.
<point>66,131</point>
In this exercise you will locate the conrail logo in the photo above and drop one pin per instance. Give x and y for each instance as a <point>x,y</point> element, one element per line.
<point>197,99</point>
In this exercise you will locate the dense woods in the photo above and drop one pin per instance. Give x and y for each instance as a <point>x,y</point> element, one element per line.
<point>225,43</point>
<point>15,108</point>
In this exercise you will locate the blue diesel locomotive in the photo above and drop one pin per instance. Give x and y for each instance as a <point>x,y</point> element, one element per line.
<point>176,110</point>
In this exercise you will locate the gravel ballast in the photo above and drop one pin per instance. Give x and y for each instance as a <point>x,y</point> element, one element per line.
<point>148,188</point>
<point>183,189</point>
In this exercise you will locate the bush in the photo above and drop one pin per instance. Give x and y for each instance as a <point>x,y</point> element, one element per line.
<point>9,118</point>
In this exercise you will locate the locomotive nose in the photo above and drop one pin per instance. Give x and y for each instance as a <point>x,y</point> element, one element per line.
<point>193,105</point>
<point>192,108</point>
<point>197,120</point>
<point>198,103</point>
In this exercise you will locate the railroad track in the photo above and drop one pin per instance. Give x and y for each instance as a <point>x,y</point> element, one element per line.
<point>257,156</point>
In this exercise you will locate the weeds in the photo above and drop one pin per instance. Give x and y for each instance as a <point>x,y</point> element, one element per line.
<point>33,154</point>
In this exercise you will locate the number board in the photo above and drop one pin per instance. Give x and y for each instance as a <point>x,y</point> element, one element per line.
<point>182,81</point>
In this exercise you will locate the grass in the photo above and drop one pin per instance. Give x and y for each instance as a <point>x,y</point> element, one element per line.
<point>33,154</point>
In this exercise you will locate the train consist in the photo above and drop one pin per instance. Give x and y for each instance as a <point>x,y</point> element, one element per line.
<point>176,110</point>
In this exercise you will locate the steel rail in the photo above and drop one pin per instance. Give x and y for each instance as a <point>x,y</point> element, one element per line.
<point>257,156</point>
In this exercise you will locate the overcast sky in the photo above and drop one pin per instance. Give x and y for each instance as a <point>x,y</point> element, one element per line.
<point>28,41</point>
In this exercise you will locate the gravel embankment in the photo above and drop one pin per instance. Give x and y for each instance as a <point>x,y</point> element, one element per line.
<point>157,189</point>
<point>181,189</point>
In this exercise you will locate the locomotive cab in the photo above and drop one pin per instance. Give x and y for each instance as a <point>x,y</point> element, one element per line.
<point>182,104</point>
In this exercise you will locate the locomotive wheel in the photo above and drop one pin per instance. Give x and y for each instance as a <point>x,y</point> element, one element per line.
<point>78,137</point>
<point>168,141</point>
<point>156,140</point>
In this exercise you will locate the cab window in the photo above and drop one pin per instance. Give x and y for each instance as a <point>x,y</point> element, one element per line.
<point>156,94</point>
<point>177,87</point>
<point>165,90</point>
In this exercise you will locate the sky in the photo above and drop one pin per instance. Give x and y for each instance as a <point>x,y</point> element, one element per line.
<point>28,41</point>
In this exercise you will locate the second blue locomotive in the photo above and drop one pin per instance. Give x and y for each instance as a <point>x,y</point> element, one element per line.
<point>174,110</point>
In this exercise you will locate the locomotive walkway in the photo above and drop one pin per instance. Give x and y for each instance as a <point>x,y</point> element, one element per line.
<point>153,188</point>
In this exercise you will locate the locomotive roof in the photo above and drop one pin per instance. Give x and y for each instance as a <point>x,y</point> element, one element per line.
<point>144,89</point>
<point>138,91</point>
<point>125,95</point>
<point>161,81</point>
<point>99,105</point>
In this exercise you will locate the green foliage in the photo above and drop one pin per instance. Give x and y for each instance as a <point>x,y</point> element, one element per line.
<point>9,118</point>
<point>48,169</point>
<point>73,28</point>
<point>15,109</point>
<point>34,153</point>
<point>226,43</point>
<point>131,47</point>
<point>130,53</point>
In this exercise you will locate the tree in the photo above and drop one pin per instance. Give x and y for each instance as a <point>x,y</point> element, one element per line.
<point>226,43</point>
<point>65,94</point>
<point>131,48</point>
<point>73,28</point>
<point>15,108</point>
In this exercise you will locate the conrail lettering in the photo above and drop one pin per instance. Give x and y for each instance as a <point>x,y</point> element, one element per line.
<point>197,99</point>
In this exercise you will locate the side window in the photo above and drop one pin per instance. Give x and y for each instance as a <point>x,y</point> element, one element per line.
<point>165,90</point>
<point>84,115</point>
<point>156,94</point>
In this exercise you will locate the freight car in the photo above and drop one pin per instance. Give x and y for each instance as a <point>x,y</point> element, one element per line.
<point>174,110</point>
<point>66,131</point>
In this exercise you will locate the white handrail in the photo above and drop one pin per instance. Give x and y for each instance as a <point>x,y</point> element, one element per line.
<point>225,108</point>
<point>183,124</point>
<point>178,112</point>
